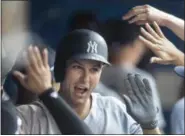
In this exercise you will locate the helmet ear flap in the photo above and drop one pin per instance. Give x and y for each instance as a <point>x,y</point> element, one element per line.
<point>59,68</point>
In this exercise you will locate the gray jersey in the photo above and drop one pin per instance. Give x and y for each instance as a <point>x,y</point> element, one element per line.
<point>36,119</point>
<point>108,116</point>
<point>106,91</point>
<point>113,77</point>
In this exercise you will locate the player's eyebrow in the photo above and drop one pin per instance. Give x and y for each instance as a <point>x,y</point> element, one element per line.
<point>73,61</point>
<point>99,65</point>
<point>76,61</point>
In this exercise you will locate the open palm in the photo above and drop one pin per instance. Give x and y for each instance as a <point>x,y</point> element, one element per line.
<point>155,40</point>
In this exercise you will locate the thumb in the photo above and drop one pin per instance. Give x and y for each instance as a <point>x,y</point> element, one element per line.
<point>159,61</point>
<point>127,102</point>
<point>21,77</point>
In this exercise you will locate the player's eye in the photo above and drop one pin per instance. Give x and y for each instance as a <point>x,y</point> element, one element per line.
<point>94,70</point>
<point>76,67</point>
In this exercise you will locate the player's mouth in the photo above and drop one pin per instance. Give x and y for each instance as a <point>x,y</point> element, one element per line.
<point>80,90</point>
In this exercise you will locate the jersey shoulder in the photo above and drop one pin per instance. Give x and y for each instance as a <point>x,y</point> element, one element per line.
<point>107,102</point>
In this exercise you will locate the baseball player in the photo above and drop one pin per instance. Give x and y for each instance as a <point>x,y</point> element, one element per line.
<point>83,19</point>
<point>80,59</point>
<point>86,19</point>
<point>125,53</point>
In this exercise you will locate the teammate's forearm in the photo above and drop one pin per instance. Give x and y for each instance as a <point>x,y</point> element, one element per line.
<point>66,119</point>
<point>175,24</point>
<point>155,131</point>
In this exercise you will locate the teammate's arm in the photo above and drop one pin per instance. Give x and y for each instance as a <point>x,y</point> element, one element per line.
<point>148,14</point>
<point>165,51</point>
<point>175,24</point>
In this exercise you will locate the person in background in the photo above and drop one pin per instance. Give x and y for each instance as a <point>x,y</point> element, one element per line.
<point>125,53</point>
<point>165,51</point>
<point>83,19</point>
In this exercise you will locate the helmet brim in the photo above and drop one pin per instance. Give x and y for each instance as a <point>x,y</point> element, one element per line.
<point>92,56</point>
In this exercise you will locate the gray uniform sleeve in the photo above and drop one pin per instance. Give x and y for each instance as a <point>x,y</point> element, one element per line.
<point>130,126</point>
<point>36,120</point>
<point>133,126</point>
<point>106,91</point>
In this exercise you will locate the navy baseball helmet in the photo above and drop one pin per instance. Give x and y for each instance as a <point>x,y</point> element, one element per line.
<point>79,44</point>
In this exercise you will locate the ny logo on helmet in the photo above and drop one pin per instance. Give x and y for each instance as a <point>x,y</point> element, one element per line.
<point>92,47</point>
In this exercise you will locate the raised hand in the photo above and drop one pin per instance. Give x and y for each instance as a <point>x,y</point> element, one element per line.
<point>38,76</point>
<point>139,101</point>
<point>165,51</point>
<point>145,14</point>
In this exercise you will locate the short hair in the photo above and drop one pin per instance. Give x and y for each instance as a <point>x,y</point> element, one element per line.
<point>83,19</point>
<point>119,32</point>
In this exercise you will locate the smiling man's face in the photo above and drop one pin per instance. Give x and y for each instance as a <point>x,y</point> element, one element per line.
<point>81,78</point>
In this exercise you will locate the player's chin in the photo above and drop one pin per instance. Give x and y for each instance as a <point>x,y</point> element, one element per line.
<point>79,101</point>
<point>79,97</point>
